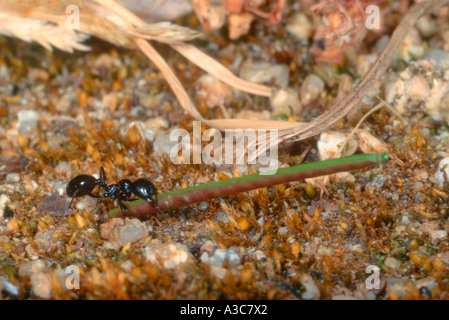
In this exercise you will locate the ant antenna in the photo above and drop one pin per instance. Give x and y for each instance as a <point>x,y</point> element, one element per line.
<point>64,215</point>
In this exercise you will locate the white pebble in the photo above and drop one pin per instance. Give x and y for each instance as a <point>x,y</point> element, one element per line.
<point>212,91</point>
<point>442,173</point>
<point>162,144</point>
<point>286,101</point>
<point>312,292</point>
<point>330,142</point>
<point>311,88</point>
<point>171,255</point>
<point>13,177</point>
<point>265,72</point>
<point>220,255</point>
<point>301,27</point>
<point>26,120</point>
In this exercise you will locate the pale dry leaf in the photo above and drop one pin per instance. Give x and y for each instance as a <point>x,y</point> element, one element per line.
<point>46,34</point>
<point>165,32</point>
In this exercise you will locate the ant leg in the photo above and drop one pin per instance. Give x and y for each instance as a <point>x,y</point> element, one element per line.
<point>102,181</point>
<point>65,214</point>
<point>71,202</point>
<point>124,211</point>
<point>98,196</point>
<point>153,203</point>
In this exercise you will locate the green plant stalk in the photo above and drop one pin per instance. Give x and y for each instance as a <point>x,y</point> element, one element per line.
<point>204,192</point>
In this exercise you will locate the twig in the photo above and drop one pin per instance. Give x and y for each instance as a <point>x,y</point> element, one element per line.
<point>218,189</point>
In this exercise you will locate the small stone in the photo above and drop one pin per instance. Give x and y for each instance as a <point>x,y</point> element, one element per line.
<point>423,84</point>
<point>356,248</point>
<point>40,279</point>
<point>364,63</point>
<point>392,263</point>
<point>162,144</point>
<point>330,142</point>
<point>283,231</point>
<point>301,27</point>
<point>427,227</point>
<point>412,46</point>
<point>203,206</point>
<point>31,267</point>
<point>405,221</point>
<point>442,173</point>
<point>218,271</point>
<point>427,26</point>
<point>212,91</point>
<point>223,217</point>
<point>120,233</point>
<point>13,177</point>
<point>27,119</point>
<point>32,254</point>
<point>311,89</point>
<point>286,101</point>
<point>43,239</point>
<point>438,235</point>
<point>42,285</point>
<point>63,168</point>
<point>378,182</point>
<point>312,292</point>
<point>204,257</point>
<point>325,251</point>
<point>260,72</point>
<point>417,186</point>
<point>156,124</point>
<point>260,255</point>
<point>239,24</point>
<point>421,175</point>
<point>342,177</point>
<point>65,103</point>
<point>220,255</point>
<point>170,255</point>
<point>105,61</point>
<point>444,256</point>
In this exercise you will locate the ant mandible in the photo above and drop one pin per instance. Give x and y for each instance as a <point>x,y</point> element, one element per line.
<point>84,184</point>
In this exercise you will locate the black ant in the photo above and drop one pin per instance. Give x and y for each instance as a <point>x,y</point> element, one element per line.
<point>84,184</point>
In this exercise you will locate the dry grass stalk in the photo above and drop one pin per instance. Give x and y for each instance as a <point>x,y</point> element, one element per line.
<point>44,22</point>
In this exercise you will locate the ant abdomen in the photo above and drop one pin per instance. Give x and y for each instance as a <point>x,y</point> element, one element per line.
<point>81,185</point>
